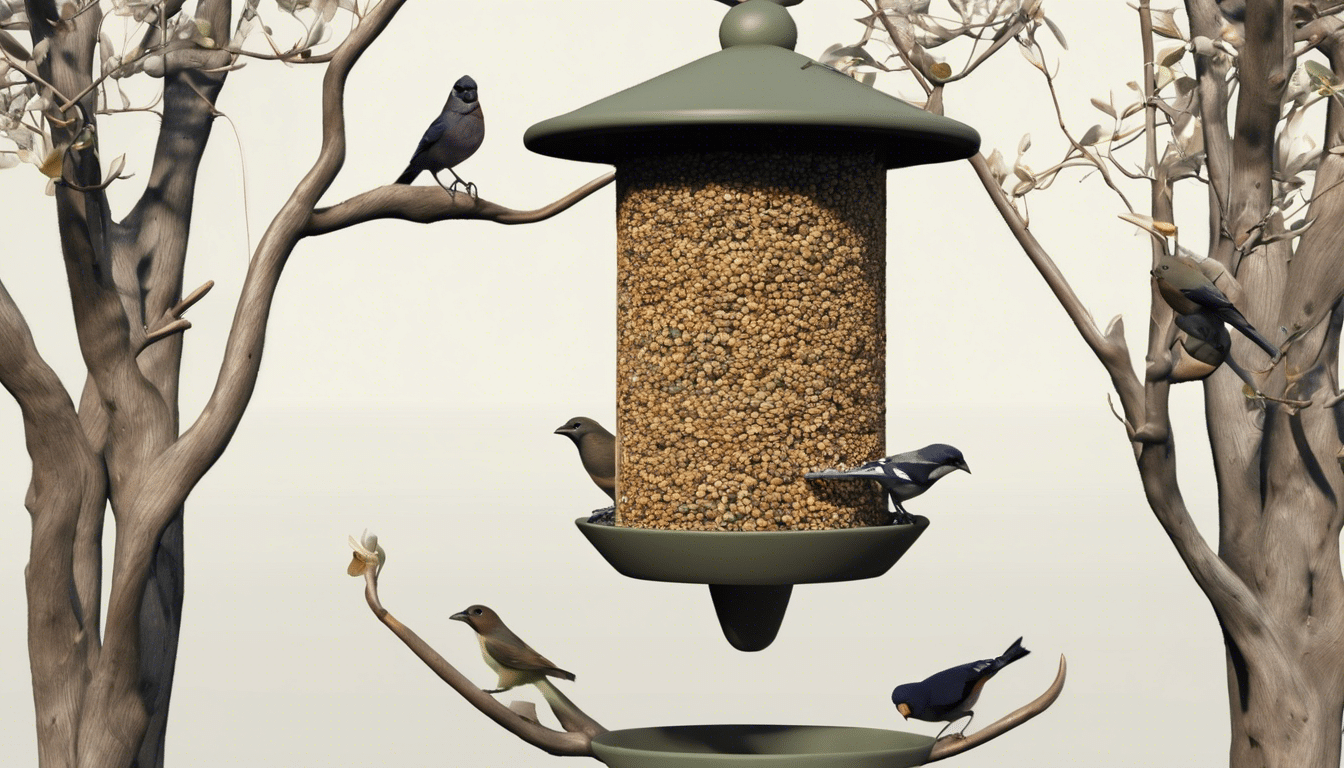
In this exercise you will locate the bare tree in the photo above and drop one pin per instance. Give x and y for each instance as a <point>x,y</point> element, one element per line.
<point>102,675</point>
<point>1225,103</point>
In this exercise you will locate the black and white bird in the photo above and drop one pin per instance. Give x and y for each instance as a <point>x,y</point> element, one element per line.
<point>903,476</point>
<point>454,136</point>
<point>949,695</point>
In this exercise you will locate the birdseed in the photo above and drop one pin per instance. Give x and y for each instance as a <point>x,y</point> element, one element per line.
<point>751,338</point>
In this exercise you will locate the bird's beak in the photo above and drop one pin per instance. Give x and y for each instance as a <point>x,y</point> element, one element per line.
<point>459,616</point>
<point>963,466</point>
<point>904,709</point>
<point>562,431</point>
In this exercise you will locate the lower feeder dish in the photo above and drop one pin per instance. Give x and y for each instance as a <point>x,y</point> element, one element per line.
<point>761,746</point>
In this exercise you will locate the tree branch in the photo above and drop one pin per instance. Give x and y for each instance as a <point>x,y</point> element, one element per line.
<point>66,487</point>
<point>953,745</point>
<point>1109,347</point>
<point>580,729</point>
<point>429,204</point>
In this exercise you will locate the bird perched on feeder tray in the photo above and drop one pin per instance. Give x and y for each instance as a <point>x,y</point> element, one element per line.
<point>949,695</point>
<point>903,476</point>
<point>1188,284</point>
<point>454,136</point>
<point>597,451</point>
<point>515,661</point>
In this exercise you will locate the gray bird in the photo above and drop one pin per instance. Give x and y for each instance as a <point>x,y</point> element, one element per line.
<point>597,451</point>
<point>903,476</point>
<point>454,136</point>
<point>513,660</point>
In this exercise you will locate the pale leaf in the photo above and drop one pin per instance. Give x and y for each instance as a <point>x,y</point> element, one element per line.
<point>1170,56</point>
<point>1103,106</point>
<point>1024,144</point>
<point>1056,32</point>
<point>1094,135</point>
<point>1029,53</point>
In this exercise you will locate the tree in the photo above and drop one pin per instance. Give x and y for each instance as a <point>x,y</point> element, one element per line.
<point>102,675</point>
<point>1229,103</point>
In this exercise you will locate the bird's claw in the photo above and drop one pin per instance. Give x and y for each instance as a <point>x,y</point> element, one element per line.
<point>467,186</point>
<point>494,690</point>
<point>603,516</point>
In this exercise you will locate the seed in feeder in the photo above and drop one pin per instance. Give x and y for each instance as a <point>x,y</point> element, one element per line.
<point>777,286</point>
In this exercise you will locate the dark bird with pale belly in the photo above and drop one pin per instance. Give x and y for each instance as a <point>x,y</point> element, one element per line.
<point>949,695</point>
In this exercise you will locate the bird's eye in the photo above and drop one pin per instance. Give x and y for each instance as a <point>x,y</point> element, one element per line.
<point>476,612</point>
<point>576,425</point>
<point>1164,266</point>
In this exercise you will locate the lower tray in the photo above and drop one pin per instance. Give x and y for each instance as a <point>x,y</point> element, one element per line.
<point>761,746</point>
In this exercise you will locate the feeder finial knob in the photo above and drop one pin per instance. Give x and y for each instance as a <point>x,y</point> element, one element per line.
<point>759,22</point>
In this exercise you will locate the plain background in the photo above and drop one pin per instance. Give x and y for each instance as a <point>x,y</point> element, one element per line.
<point>414,374</point>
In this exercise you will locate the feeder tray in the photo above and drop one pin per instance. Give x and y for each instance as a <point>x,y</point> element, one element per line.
<point>761,746</point>
<point>751,573</point>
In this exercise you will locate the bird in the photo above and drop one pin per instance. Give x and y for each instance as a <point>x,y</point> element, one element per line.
<point>1187,284</point>
<point>454,136</point>
<point>949,695</point>
<point>597,451</point>
<point>903,476</point>
<point>1188,290</point>
<point>515,661</point>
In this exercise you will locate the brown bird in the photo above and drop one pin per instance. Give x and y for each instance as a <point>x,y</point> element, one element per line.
<point>597,451</point>
<point>515,661</point>
<point>1188,284</point>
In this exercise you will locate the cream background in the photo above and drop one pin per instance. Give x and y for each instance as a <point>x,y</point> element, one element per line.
<point>414,374</point>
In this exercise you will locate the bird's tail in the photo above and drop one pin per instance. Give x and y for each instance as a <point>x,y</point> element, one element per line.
<point>1014,652</point>
<point>558,672</point>
<point>408,175</point>
<point>1239,321</point>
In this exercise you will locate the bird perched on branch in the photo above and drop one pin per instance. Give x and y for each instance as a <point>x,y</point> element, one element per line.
<point>597,451</point>
<point>903,476</point>
<point>949,695</point>
<point>515,661</point>
<point>1188,284</point>
<point>454,136</point>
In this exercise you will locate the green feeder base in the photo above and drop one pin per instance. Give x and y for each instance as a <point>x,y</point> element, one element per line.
<point>761,746</point>
<point>751,574</point>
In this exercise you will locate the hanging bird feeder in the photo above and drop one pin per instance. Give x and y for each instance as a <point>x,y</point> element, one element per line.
<point>751,322</point>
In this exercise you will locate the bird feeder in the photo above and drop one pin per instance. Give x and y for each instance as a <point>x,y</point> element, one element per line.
<point>751,323</point>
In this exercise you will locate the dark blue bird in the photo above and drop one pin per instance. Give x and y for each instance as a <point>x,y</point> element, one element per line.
<point>903,476</point>
<point>950,694</point>
<point>454,136</point>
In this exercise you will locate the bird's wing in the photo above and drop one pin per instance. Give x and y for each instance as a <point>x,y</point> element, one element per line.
<point>433,133</point>
<point>870,471</point>
<point>952,686</point>
<point>1207,295</point>
<point>512,652</point>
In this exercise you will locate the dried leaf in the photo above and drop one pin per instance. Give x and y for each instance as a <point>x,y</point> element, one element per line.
<point>1170,56</point>
<point>1104,106</point>
<point>1056,32</point>
<point>51,164</point>
<point>1164,24</point>
<point>941,70</point>
<point>1093,136</point>
<point>1131,109</point>
<point>1164,77</point>
<point>1024,144</point>
<point>1029,53</point>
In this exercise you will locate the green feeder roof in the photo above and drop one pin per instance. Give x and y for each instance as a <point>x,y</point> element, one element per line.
<point>756,93</point>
